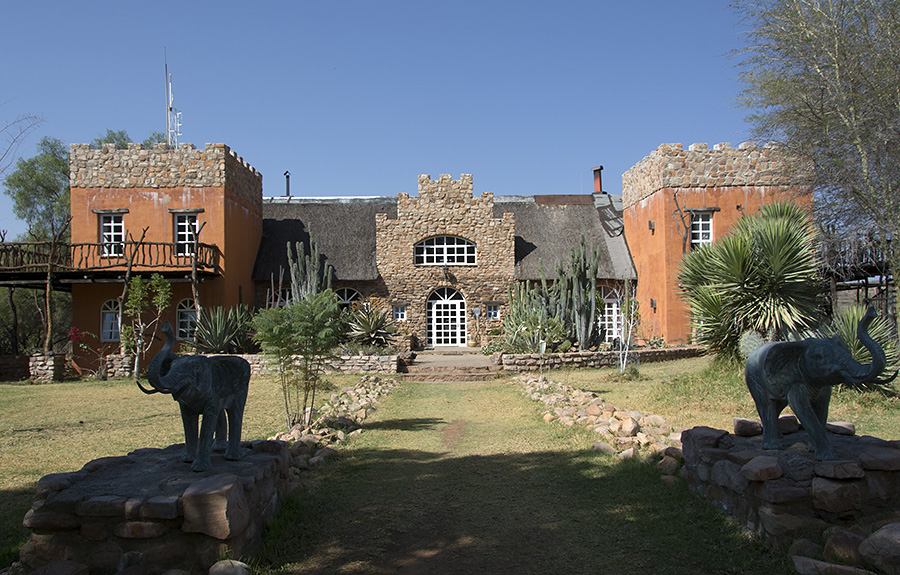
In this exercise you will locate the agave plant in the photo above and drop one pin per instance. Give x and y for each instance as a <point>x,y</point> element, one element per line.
<point>762,276</point>
<point>221,330</point>
<point>369,323</point>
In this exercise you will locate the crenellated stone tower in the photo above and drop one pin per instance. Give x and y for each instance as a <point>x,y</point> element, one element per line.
<point>676,200</point>
<point>446,208</point>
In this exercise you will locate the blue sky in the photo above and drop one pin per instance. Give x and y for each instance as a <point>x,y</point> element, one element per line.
<point>359,97</point>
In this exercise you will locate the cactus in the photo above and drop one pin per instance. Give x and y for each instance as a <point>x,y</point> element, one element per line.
<point>576,292</point>
<point>308,275</point>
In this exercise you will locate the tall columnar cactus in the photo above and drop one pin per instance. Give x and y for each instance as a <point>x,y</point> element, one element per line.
<point>308,275</point>
<point>576,289</point>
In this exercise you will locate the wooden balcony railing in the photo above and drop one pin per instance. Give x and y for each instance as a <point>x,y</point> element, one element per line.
<point>36,256</point>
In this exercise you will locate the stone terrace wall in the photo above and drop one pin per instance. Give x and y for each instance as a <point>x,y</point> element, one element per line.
<point>148,508</point>
<point>261,365</point>
<point>787,493</point>
<point>670,166</point>
<point>536,361</point>
<point>162,167</point>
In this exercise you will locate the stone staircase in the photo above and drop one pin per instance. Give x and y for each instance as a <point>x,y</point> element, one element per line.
<point>455,365</point>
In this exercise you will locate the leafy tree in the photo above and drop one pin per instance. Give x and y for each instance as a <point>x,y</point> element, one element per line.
<point>821,77</point>
<point>121,139</point>
<point>141,298</point>
<point>300,337</point>
<point>23,329</point>
<point>39,188</point>
<point>762,276</point>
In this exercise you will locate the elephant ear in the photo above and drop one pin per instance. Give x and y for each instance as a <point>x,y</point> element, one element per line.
<point>783,358</point>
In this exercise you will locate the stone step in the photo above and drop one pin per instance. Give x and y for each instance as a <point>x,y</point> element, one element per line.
<point>451,368</point>
<point>449,376</point>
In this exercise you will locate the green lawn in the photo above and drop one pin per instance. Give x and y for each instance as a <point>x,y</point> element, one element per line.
<point>468,472</point>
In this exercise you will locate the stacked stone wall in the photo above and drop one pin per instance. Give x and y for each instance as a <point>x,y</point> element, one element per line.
<point>786,493</point>
<point>46,368</point>
<point>445,207</point>
<point>164,167</point>
<point>671,166</point>
<point>149,509</point>
<point>517,362</point>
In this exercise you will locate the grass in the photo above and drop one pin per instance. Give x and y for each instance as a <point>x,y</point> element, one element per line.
<point>58,427</point>
<point>699,391</point>
<point>463,475</point>
<point>467,478</point>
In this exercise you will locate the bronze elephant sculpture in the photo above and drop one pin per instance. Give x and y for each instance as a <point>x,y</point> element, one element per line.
<point>206,386</point>
<point>801,374</point>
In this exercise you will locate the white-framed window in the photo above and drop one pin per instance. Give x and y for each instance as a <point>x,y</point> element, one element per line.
<point>112,235</point>
<point>491,311</point>
<point>701,229</point>
<point>444,250</point>
<point>610,315</point>
<point>279,299</point>
<point>347,296</point>
<point>185,231</point>
<point>399,313</point>
<point>186,318</point>
<point>110,321</point>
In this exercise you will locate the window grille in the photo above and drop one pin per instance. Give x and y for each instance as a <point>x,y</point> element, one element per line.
<point>445,250</point>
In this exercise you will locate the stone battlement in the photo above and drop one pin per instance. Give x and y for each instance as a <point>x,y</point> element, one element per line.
<point>157,167</point>
<point>671,166</point>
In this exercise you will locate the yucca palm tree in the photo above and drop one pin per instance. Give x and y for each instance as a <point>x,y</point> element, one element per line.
<point>762,276</point>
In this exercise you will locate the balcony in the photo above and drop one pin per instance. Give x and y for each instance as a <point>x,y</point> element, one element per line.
<point>27,263</point>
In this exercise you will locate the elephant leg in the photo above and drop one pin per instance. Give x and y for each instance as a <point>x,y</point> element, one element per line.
<point>221,431</point>
<point>820,405</point>
<point>207,427</point>
<point>189,422</point>
<point>235,422</point>
<point>768,409</point>
<point>799,399</point>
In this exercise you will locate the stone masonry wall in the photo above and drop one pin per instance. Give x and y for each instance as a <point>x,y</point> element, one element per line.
<point>534,361</point>
<point>162,167</point>
<point>671,166</point>
<point>445,207</point>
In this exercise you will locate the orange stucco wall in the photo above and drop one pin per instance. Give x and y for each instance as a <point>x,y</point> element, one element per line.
<point>231,218</point>
<point>657,254</point>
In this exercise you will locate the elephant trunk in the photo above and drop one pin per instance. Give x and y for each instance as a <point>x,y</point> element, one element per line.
<point>860,373</point>
<point>159,365</point>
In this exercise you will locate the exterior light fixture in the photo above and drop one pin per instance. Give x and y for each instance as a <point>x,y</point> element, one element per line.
<point>652,225</point>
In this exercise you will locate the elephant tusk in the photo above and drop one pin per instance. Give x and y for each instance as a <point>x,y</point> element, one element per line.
<point>152,391</point>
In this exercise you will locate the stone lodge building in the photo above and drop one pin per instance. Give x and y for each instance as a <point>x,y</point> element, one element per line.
<point>442,259</point>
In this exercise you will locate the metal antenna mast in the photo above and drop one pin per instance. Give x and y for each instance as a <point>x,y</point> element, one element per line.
<point>173,116</point>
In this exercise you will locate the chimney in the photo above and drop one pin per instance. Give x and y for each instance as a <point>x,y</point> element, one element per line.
<point>287,184</point>
<point>598,180</point>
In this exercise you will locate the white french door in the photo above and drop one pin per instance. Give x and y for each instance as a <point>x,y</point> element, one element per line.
<point>446,318</point>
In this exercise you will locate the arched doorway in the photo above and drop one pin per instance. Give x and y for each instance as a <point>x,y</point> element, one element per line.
<point>446,318</point>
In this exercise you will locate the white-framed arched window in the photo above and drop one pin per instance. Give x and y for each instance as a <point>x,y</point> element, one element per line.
<point>347,296</point>
<point>110,321</point>
<point>186,318</point>
<point>609,317</point>
<point>444,250</point>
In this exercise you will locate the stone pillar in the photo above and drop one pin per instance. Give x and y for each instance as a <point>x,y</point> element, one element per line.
<point>45,368</point>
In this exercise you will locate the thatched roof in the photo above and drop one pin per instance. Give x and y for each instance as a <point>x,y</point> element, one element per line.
<point>343,228</point>
<point>547,227</point>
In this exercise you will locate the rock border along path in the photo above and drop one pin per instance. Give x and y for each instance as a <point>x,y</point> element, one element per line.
<point>624,433</point>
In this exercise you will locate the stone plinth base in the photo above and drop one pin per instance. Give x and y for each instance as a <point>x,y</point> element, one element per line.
<point>149,508</point>
<point>786,493</point>
<point>45,368</point>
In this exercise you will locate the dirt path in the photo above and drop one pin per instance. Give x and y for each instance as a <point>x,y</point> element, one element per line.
<point>466,478</point>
